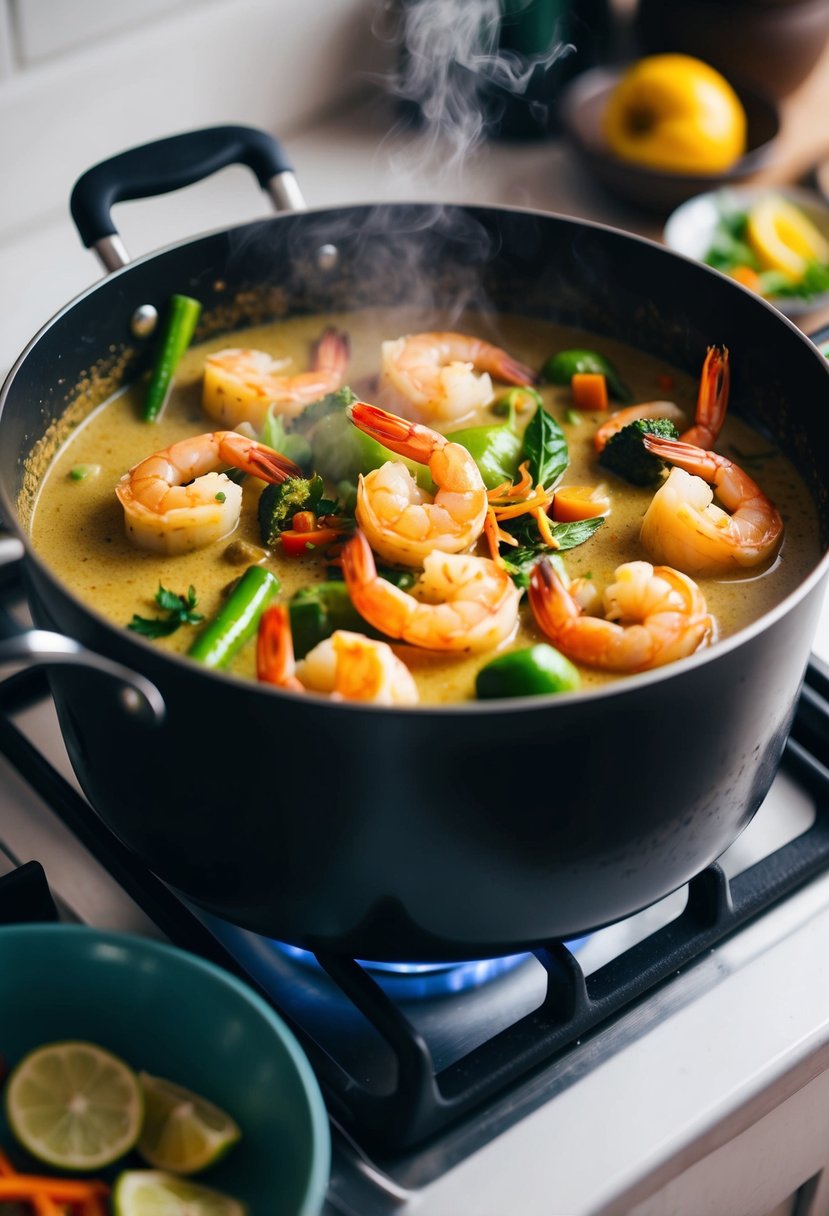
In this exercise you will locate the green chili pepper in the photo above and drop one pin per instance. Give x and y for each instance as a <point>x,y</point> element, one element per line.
<point>237,621</point>
<point>495,449</point>
<point>561,368</point>
<point>527,673</point>
<point>180,325</point>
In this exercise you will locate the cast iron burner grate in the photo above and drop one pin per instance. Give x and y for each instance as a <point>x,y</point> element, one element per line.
<point>424,1100</point>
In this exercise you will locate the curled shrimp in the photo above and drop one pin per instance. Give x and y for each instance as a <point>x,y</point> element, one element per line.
<point>653,615</point>
<point>685,527</point>
<point>346,666</point>
<point>712,403</point>
<point>459,602</point>
<point>402,522</point>
<point>175,500</point>
<point>242,385</point>
<point>431,377</point>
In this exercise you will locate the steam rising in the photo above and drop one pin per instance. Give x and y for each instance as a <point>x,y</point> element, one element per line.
<point>450,60</point>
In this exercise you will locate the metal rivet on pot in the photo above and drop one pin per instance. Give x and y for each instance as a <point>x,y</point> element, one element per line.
<point>144,321</point>
<point>327,257</point>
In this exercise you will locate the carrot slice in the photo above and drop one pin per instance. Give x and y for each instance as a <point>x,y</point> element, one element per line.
<point>580,502</point>
<point>589,391</point>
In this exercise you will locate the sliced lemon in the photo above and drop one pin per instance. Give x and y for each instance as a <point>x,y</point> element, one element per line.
<point>783,237</point>
<point>182,1131</point>
<point>156,1193</point>
<point>74,1105</point>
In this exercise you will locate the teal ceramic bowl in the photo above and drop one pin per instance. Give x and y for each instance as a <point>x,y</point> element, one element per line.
<point>176,1016</point>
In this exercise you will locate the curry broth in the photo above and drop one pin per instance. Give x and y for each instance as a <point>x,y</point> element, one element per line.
<point>77,525</point>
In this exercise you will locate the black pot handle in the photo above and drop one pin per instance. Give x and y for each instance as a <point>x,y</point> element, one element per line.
<point>41,647</point>
<point>169,164</point>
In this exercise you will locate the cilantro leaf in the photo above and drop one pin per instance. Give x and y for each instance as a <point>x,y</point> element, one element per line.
<point>180,610</point>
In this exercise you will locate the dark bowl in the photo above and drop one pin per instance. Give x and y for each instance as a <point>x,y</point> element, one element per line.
<point>177,1016</point>
<point>582,105</point>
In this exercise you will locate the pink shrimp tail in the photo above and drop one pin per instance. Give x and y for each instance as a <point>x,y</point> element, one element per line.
<point>393,432</point>
<point>275,649</point>
<point>552,605</point>
<point>686,455</point>
<point>357,561</point>
<point>331,352</point>
<point>712,401</point>
<point>513,372</point>
<point>272,466</point>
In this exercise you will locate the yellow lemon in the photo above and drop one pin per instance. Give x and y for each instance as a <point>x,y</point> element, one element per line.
<point>783,238</point>
<point>677,114</point>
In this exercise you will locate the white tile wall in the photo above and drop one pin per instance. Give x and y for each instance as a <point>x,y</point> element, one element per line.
<point>46,28</point>
<point>83,79</point>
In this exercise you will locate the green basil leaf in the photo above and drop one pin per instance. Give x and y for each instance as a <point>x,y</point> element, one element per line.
<point>546,449</point>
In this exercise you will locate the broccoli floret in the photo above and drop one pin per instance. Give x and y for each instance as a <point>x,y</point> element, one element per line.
<point>278,504</point>
<point>625,455</point>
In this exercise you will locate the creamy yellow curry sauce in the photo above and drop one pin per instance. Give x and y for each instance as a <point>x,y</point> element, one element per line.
<point>78,526</point>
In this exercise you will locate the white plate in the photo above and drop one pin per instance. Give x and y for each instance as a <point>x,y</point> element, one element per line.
<point>690,228</point>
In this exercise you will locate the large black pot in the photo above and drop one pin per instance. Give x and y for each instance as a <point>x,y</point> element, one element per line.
<point>441,833</point>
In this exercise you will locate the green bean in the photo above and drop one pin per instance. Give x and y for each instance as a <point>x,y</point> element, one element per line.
<point>180,325</point>
<point>237,620</point>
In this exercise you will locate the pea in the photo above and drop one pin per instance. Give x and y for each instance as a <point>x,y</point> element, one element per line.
<point>531,672</point>
<point>560,369</point>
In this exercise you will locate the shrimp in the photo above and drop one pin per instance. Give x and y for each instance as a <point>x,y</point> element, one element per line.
<point>459,602</point>
<point>683,526</point>
<point>402,522</point>
<point>712,403</point>
<point>175,501</point>
<point>653,615</point>
<point>346,666</point>
<point>431,377</point>
<point>242,385</point>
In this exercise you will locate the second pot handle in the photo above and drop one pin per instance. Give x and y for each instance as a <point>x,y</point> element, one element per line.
<point>169,164</point>
<point>41,647</point>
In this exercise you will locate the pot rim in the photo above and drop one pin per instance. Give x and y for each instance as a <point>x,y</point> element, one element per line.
<point>620,687</point>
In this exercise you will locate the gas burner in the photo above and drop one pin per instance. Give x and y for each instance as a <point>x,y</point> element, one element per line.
<point>415,981</point>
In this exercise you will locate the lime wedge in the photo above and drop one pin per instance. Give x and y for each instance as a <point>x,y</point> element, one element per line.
<point>74,1105</point>
<point>156,1193</point>
<point>182,1131</point>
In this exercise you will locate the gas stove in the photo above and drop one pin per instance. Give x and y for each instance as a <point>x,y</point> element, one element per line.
<point>644,1065</point>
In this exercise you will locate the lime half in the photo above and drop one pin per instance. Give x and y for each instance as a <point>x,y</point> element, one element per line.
<point>156,1193</point>
<point>182,1131</point>
<point>74,1105</point>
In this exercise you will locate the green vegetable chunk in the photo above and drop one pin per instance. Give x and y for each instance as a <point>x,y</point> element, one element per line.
<point>496,451</point>
<point>317,611</point>
<point>531,672</point>
<point>342,451</point>
<point>182,318</point>
<point>278,504</point>
<point>625,455</point>
<point>561,368</point>
<point>237,621</point>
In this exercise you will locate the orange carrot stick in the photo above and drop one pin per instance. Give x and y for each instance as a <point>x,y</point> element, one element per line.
<point>6,1167</point>
<point>42,1205</point>
<point>27,1187</point>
